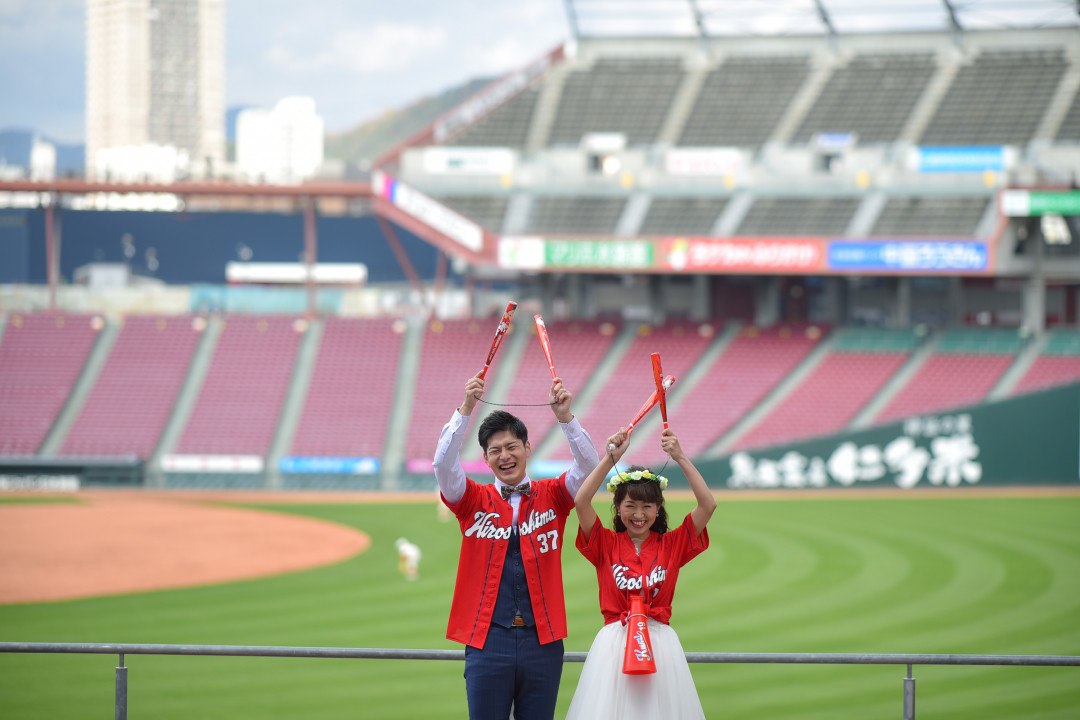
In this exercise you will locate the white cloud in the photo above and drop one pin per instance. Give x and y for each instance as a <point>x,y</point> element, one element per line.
<point>385,47</point>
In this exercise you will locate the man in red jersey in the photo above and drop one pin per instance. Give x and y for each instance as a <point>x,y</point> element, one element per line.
<point>508,607</point>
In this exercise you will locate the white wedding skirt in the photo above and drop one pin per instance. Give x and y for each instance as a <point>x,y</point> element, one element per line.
<point>605,692</point>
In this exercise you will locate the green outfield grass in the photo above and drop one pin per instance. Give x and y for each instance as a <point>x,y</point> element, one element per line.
<point>959,574</point>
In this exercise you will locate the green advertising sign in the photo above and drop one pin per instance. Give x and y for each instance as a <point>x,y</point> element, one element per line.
<point>1028,440</point>
<point>590,253</point>
<point>1033,203</point>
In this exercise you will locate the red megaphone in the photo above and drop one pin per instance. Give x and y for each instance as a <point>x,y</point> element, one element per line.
<point>638,659</point>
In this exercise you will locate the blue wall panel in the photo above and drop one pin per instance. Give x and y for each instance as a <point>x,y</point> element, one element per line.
<point>194,247</point>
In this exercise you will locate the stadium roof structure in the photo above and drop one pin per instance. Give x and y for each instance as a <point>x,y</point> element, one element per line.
<point>741,18</point>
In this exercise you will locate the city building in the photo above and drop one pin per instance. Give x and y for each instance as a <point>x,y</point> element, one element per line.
<point>155,77</point>
<point>279,146</point>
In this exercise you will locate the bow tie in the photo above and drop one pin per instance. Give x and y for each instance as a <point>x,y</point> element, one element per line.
<point>508,490</point>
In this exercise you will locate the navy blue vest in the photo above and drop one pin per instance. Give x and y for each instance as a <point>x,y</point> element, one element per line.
<point>513,598</point>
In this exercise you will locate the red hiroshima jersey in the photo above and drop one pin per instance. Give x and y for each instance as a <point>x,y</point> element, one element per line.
<point>485,519</point>
<point>620,569</point>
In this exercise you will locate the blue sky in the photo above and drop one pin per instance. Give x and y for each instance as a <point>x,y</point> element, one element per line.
<point>357,58</point>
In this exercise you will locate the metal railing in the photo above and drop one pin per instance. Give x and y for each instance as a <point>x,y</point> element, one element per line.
<point>910,660</point>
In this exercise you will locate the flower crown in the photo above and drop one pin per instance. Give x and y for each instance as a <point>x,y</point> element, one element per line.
<point>622,477</point>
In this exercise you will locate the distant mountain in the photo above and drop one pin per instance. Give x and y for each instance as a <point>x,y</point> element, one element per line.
<point>15,147</point>
<point>15,144</point>
<point>363,144</point>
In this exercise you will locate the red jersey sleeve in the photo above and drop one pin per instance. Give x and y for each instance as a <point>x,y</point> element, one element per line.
<point>593,545</point>
<point>685,543</point>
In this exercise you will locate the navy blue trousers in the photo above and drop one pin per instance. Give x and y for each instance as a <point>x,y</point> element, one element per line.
<point>513,669</point>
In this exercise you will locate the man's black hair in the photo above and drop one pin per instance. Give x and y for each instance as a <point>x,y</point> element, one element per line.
<point>498,421</point>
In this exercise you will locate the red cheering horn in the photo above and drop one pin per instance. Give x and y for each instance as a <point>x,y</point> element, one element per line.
<point>500,332</point>
<point>638,658</point>
<point>649,405</point>
<point>545,343</point>
<point>658,375</point>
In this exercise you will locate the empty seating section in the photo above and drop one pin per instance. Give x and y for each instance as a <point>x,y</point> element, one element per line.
<point>741,102</point>
<point>630,384</point>
<point>1048,371</point>
<point>41,356</point>
<point>576,214</point>
<point>506,125</point>
<point>577,347</point>
<point>944,382</point>
<point>1070,126</point>
<point>798,216</point>
<point>872,96</point>
<point>488,210</point>
<point>827,400</point>
<point>238,406</point>
<point>453,351</point>
<point>748,369</point>
<point>965,366</point>
<point>999,99</point>
<point>682,215</point>
<point>130,404</point>
<point>1057,364</point>
<point>930,216</point>
<point>625,95</point>
<point>352,390</point>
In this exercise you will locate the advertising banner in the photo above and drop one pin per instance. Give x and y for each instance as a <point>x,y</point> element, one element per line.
<point>789,254</point>
<point>1028,440</point>
<point>212,463</point>
<point>329,465</point>
<point>901,255</point>
<point>1033,203</point>
<point>468,161</point>
<point>428,211</point>
<point>539,253</point>
<point>962,159</point>
<point>704,161</point>
<point>422,466</point>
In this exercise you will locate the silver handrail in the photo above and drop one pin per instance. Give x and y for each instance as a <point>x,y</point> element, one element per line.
<point>910,660</point>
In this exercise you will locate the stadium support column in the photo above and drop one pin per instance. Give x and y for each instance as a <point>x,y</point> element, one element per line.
<point>903,301</point>
<point>310,251</point>
<point>957,306</point>
<point>52,248</point>
<point>767,301</point>
<point>1035,294</point>
<point>699,302</point>
<point>402,256</point>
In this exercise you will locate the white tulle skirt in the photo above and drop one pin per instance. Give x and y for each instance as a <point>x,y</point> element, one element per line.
<point>605,692</point>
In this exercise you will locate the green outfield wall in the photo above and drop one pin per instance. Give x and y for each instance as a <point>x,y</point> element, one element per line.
<point>1029,440</point>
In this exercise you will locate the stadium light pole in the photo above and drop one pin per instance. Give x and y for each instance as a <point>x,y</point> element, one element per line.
<point>699,22</point>
<point>823,14</point>
<point>571,18</point>
<point>954,21</point>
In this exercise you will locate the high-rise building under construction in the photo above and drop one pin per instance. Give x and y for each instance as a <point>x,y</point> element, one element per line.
<point>155,81</point>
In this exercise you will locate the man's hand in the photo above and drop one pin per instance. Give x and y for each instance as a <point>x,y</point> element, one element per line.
<point>474,388</point>
<point>561,397</point>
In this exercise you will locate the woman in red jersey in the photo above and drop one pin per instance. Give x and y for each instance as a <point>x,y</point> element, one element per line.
<point>638,556</point>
